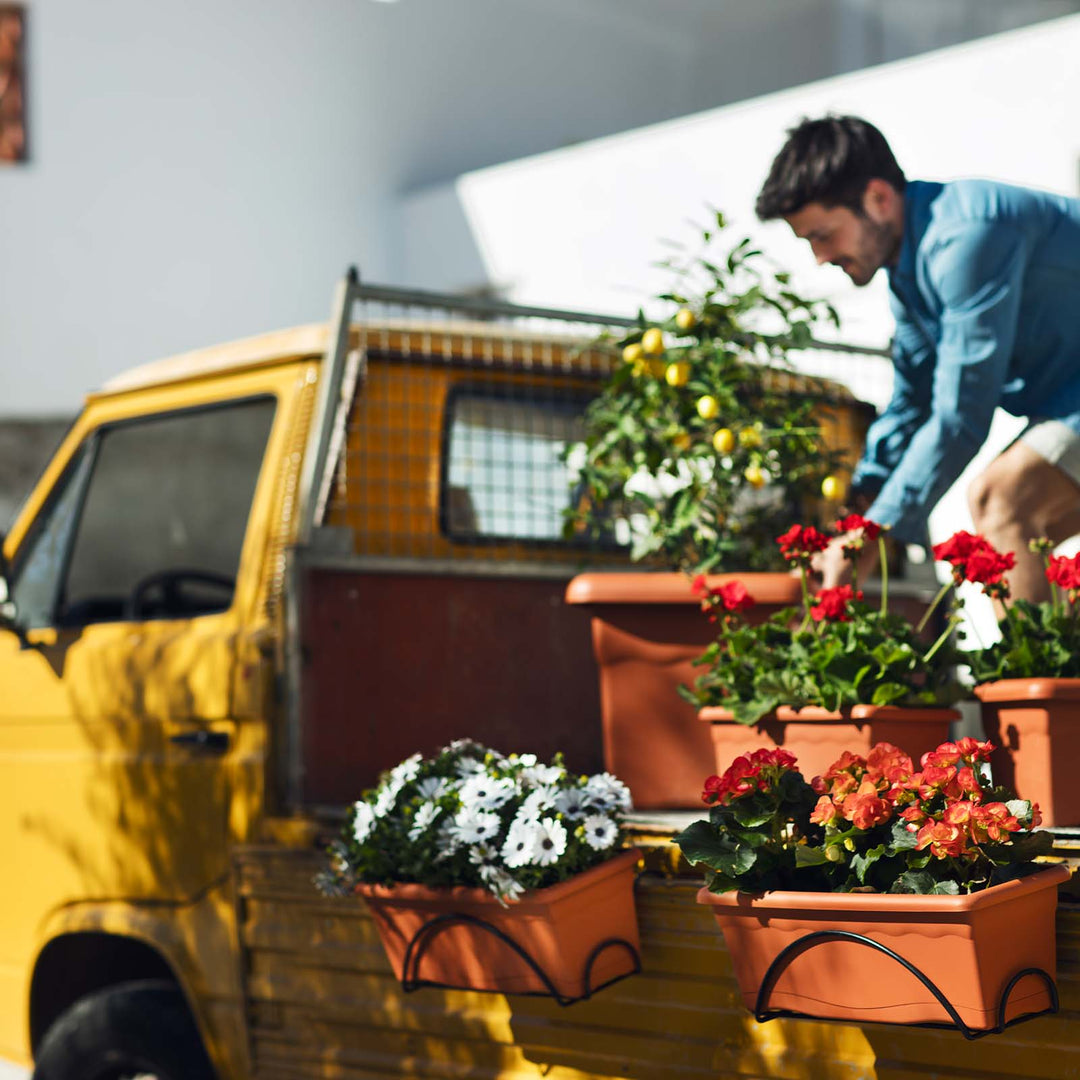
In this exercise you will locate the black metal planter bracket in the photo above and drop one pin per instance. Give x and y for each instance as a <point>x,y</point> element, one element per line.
<point>427,933</point>
<point>762,1013</point>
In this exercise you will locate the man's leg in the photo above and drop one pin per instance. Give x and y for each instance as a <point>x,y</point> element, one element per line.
<point>1028,492</point>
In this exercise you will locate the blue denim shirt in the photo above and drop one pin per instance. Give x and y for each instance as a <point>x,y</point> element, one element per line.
<point>986,296</point>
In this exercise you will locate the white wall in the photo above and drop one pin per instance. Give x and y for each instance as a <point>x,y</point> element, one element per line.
<point>580,228</point>
<point>203,171</point>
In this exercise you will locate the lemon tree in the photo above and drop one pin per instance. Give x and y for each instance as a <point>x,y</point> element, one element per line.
<point>703,443</point>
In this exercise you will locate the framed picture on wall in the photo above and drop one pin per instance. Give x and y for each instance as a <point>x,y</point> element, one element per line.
<point>12,83</point>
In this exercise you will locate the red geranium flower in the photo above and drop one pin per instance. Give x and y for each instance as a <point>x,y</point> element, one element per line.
<point>1064,571</point>
<point>959,547</point>
<point>825,812</point>
<point>986,567</point>
<point>831,604</point>
<point>801,541</point>
<point>870,529</point>
<point>734,596</point>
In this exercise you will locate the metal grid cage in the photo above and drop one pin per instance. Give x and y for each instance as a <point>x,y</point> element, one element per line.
<point>455,447</point>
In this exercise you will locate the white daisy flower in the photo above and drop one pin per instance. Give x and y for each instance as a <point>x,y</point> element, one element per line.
<point>427,813</point>
<point>387,796</point>
<point>483,792</point>
<point>526,761</point>
<point>432,788</point>
<point>543,774</point>
<point>364,822</point>
<point>447,841</point>
<point>468,766</point>
<point>407,770</point>
<point>550,842</point>
<point>476,826</point>
<point>600,831</point>
<point>572,804</point>
<point>520,846</point>
<point>608,791</point>
<point>460,744</point>
<point>536,802</point>
<point>486,856</point>
<point>505,886</point>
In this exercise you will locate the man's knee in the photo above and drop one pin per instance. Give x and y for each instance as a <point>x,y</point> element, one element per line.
<point>997,498</point>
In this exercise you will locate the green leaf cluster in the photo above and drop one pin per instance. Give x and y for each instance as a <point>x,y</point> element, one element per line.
<point>876,658</point>
<point>1037,641</point>
<point>652,456</point>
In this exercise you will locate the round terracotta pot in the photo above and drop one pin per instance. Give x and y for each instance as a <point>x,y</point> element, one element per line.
<point>817,737</point>
<point>968,946</point>
<point>1035,725</point>
<point>647,628</point>
<point>559,927</point>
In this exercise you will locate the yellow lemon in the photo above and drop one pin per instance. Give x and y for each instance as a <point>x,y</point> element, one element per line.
<point>749,437</point>
<point>724,441</point>
<point>678,373</point>
<point>657,368</point>
<point>708,408</point>
<point>685,319</point>
<point>632,352</point>
<point>652,341</point>
<point>832,487</point>
<point>755,476</point>
<point>681,441</point>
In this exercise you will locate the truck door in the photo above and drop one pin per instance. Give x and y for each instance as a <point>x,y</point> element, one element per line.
<point>116,726</point>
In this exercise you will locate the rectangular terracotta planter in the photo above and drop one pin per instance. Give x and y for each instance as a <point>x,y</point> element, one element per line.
<point>817,737</point>
<point>647,629</point>
<point>1035,724</point>
<point>968,946</point>
<point>560,928</point>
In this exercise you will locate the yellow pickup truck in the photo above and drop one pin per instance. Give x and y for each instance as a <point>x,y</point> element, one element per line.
<point>251,578</point>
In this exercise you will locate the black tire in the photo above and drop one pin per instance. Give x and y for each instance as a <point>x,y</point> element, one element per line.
<point>136,1029</point>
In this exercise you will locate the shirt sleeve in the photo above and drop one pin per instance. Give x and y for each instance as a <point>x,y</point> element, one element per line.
<point>976,271</point>
<point>907,410</point>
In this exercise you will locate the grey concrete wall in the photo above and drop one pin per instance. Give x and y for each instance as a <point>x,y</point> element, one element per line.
<point>25,447</point>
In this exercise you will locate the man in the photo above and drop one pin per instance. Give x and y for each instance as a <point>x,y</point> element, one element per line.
<point>984,283</point>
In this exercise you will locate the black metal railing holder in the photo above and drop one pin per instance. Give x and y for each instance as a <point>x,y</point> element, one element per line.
<point>422,939</point>
<point>782,961</point>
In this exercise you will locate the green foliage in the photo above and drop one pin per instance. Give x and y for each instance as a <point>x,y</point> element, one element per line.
<point>1037,641</point>
<point>867,825</point>
<point>653,456</point>
<point>875,658</point>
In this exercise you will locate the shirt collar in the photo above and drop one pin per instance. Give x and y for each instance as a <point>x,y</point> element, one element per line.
<point>918,199</point>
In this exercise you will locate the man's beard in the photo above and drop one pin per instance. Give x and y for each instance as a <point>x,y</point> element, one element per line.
<point>878,248</point>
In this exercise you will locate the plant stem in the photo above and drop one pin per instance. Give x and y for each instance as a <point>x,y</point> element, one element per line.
<point>883,559</point>
<point>805,583</point>
<point>933,607</point>
<point>950,626</point>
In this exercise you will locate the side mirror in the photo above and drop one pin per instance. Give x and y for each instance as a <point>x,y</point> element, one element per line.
<point>8,610</point>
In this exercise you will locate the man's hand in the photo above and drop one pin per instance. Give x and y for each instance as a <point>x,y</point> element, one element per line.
<point>835,569</point>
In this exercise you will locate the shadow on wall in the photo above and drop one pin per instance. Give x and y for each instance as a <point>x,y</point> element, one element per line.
<point>25,448</point>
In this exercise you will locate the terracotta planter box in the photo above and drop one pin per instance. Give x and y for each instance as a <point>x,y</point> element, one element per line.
<point>1035,723</point>
<point>968,946</point>
<point>647,629</point>
<point>817,737</point>
<point>559,927</point>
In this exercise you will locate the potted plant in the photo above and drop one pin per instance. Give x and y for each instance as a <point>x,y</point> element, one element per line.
<point>835,673</point>
<point>880,891</point>
<point>1029,680</point>
<point>700,444</point>
<point>494,872</point>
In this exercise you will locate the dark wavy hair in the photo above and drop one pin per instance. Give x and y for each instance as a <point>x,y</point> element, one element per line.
<point>829,161</point>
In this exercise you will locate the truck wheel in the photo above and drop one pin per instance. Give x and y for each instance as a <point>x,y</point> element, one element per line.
<point>134,1031</point>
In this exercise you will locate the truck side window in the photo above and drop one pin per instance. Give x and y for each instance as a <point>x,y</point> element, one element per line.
<point>159,530</point>
<point>37,579</point>
<point>505,477</point>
